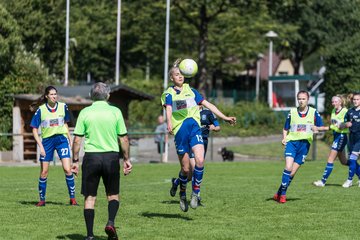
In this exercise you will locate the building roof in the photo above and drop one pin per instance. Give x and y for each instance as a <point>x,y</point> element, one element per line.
<point>68,100</point>
<point>264,66</point>
<point>80,95</point>
<point>84,90</point>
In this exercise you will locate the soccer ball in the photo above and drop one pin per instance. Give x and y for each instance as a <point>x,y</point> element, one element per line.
<point>188,68</point>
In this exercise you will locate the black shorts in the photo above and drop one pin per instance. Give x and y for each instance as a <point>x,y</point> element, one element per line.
<point>104,165</point>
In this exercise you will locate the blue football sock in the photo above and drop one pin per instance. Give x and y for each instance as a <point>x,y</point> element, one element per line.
<point>328,169</point>
<point>285,182</point>
<point>183,181</point>
<point>357,170</point>
<point>70,184</point>
<point>352,166</point>
<point>177,180</point>
<point>42,188</point>
<point>197,179</point>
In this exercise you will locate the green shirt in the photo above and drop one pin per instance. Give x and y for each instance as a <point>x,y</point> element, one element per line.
<point>101,124</point>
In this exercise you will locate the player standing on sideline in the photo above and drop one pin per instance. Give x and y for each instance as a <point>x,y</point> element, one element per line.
<point>104,129</point>
<point>181,104</point>
<point>208,123</point>
<point>161,137</point>
<point>298,131</point>
<point>51,117</point>
<point>353,123</point>
<point>340,138</point>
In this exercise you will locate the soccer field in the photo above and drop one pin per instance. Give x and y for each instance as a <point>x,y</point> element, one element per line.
<point>237,198</point>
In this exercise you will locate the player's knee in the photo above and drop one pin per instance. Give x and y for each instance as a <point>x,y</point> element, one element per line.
<point>44,173</point>
<point>200,161</point>
<point>67,171</point>
<point>185,171</point>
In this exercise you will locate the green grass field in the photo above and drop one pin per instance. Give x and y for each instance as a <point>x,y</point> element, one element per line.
<point>237,198</point>
<point>276,150</point>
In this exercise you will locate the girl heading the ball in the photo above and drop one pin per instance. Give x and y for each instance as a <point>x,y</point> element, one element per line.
<point>181,103</point>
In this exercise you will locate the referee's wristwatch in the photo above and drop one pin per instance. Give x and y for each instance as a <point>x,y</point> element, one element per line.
<point>75,160</point>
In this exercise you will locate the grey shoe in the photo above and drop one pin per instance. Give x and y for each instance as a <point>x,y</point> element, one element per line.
<point>183,204</point>
<point>194,202</point>
<point>173,187</point>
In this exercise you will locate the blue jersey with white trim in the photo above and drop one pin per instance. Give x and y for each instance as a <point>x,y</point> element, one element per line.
<point>353,116</point>
<point>207,118</point>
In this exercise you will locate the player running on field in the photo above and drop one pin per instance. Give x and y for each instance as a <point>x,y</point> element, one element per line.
<point>353,123</point>
<point>340,138</point>
<point>297,137</point>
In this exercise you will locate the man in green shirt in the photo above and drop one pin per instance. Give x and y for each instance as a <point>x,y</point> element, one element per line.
<point>104,128</point>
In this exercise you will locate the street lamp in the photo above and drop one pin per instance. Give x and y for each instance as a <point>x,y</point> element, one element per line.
<point>258,65</point>
<point>66,81</point>
<point>118,33</point>
<point>270,35</point>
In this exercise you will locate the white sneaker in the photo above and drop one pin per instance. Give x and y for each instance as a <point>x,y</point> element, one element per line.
<point>347,184</point>
<point>319,183</point>
<point>194,202</point>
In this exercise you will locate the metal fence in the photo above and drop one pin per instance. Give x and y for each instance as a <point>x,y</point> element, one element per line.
<point>142,148</point>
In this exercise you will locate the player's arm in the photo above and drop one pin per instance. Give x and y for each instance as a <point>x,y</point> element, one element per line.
<point>67,119</point>
<point>323,128</point>
<point>168,110</point>
<point>75,154</point>
<point>68,134</point>
<point>125,147</point>
<point>319,125</point>
<point>286,129</point>
<point>285,133</point>
<point>217,112</point>
<point>347,122</point>
<point>35,132</point>
<point>214,128</point>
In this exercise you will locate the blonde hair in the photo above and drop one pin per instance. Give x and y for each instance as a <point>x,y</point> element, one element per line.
<point>343,99</point>
<point>175,65</point>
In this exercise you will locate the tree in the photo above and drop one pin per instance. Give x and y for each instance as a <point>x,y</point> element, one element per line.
<point>318,24</point>
<point>342,62</point>
<point>20,71</point>
<point>9,41</point>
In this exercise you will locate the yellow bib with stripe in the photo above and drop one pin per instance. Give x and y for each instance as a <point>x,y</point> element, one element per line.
<point>183,106</point>
<point>52,123</point>
<point>337,119</point>
<point>301,128</point>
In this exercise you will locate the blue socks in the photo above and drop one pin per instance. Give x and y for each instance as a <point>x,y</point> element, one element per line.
<point>70,184</point>
<point>42,188</point>
<point>183,181</point>
<point>197,179</point>
<point>352,166</point>
<point>285,182</point>
<point>328,169</point>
